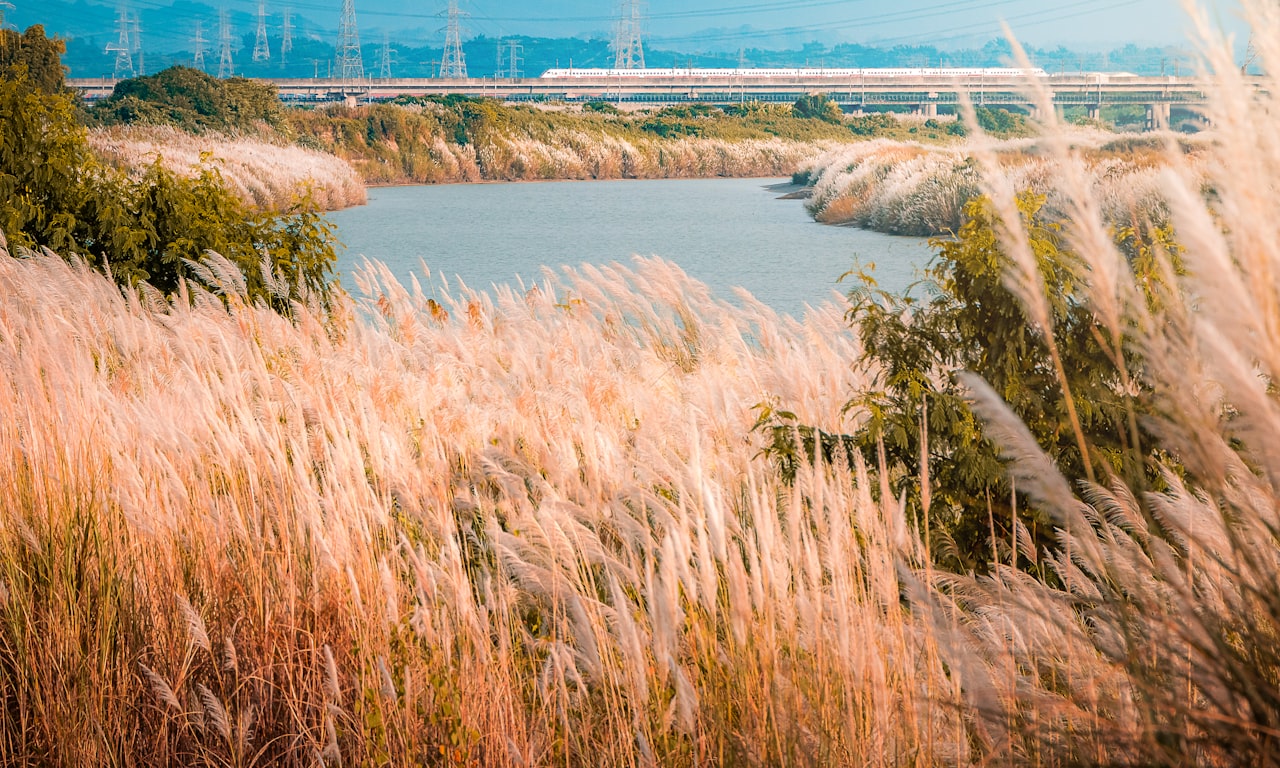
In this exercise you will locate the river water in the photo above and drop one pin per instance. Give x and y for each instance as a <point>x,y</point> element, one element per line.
<point>723,232</point>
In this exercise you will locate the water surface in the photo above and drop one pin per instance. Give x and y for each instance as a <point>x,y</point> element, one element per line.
<point>723,232</point>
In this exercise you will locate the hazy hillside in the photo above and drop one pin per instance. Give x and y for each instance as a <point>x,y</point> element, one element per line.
<point>415,42</point>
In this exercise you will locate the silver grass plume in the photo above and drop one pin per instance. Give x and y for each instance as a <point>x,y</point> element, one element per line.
<point>196,630</point>
<point>160,688</point>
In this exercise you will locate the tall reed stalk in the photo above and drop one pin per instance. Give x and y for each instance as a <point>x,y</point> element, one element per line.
<point>533,527</point>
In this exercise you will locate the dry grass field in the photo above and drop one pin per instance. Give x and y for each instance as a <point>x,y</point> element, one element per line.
<point>535,527</point>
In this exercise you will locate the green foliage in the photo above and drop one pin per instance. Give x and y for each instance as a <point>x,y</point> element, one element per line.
<point>967,320</point>
<point>758,110</point>
<point>1001,122</point>
<point>875,124</point>
<point>817,106</point>
<point>603,107</point>
<point>409,138</point>
<point>55,193</point>
<point>690,111</point>
<point>34,56</point>
<point>671,127</point>
<point>193,101</point>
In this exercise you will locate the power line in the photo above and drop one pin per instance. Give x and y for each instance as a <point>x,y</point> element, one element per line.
<point>949,22</point>
<point>454,63</point>
<point>350,61</point>
<point>262,48</point>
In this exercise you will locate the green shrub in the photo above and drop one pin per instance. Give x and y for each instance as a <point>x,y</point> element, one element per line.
<point>193,101</point>
<point>1001,122</point>
<point>34,54</point>
<point>966,319</point>
<point>817,106</point>
<point>56,194</point>
<point>874,124</point>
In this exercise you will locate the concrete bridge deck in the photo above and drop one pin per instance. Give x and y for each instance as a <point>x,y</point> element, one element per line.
<point>918,94</point>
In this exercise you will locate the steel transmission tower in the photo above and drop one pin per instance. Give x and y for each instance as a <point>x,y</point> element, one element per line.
<point>225,68</point>
<point>628,50</point>
<point>454,63</point>
<point>286,37</point>
<point>197,43</point>
<point>137,44</point>
<point>509,60</point>
<point>350,61</point>
<point>262,48</point>
<point>384,71</point>
<point>122,48</point>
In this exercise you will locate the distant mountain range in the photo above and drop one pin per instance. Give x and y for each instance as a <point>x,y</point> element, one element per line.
<point>162,36</point>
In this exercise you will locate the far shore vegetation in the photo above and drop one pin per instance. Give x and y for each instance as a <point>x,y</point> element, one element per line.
<point>449,139</point>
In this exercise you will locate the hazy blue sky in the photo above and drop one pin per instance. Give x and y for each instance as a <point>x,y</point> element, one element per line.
<point>721,24</point>
<point>930,21</point>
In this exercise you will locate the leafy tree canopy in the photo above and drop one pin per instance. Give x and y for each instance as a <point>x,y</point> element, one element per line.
<point>967,320</point>
<point>55,193</point>
<point>817,106</point>
<point>34,54</point>
<point>192,100</point>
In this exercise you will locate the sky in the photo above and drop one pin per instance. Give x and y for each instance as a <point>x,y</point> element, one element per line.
<point>704,25</point>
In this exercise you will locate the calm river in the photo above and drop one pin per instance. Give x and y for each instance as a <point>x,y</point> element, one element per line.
<point>724,232</point>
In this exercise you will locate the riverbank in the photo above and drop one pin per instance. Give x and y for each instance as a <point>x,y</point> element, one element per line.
<point>910,188</point>
<point>431,142</point>
<point>268,175</point>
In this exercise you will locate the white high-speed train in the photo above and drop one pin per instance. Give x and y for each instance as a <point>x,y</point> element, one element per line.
<point>823,72</point>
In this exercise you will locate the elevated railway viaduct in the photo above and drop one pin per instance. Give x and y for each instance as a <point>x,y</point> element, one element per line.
<point>918,94</point>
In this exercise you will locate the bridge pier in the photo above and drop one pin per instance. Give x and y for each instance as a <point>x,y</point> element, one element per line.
<point>1094,112</point>
<point>1158,116</point>
<point>928,109</point>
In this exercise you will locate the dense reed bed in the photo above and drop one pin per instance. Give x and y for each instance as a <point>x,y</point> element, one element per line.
<point>535,527</point>
<point>495,528</point>
<point>920,189</point>
<point>475,141</point>
<point>266,175</point>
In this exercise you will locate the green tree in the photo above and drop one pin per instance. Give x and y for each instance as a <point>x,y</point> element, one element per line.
<point>1001,122</point>
<point>819,107</point>
<point>34,55</point>
<point>192,100</point>
<point>967,320</point>
<point>55,193</point>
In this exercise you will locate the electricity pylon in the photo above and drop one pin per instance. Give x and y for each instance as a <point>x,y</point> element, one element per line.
<point>384,71</point>
<point>628,49</point>
<point>350,61</point>
<point>122,47</point>
<point>137,44</point>
<point>198,42</point>
<point>454,64</point>
<point>286,37</point>
<point>509,60</point>
<point>225,67</point>
<point>262,48</point>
